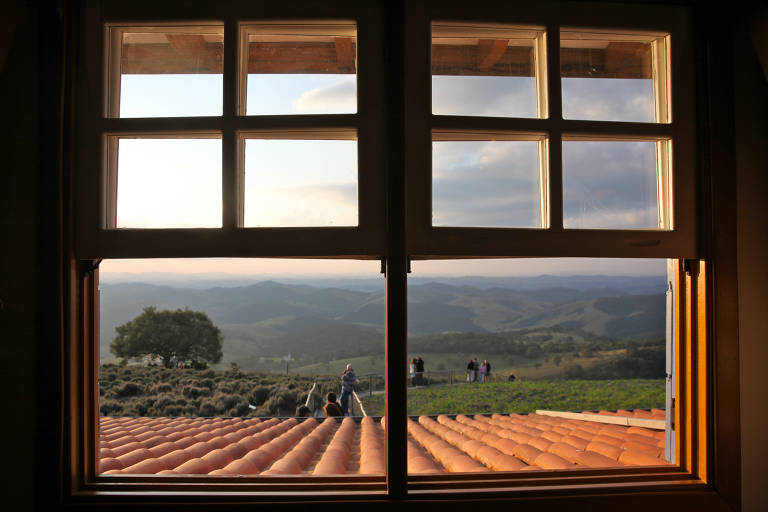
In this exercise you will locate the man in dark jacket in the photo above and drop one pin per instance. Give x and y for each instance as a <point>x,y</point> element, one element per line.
<point>348,380</point>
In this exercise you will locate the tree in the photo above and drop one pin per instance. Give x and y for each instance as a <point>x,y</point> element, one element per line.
<point>186,334</point>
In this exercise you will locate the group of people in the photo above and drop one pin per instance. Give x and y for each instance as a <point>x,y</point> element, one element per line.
<point>478,372</point>
<point>416,371</point>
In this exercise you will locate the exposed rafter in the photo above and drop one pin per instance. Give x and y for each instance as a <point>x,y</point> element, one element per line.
<point>490,57</point>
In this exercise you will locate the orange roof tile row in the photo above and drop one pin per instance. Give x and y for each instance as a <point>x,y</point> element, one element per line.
<point>235,446</point>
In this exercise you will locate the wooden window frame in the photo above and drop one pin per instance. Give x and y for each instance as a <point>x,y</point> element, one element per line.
<point>389,232</point>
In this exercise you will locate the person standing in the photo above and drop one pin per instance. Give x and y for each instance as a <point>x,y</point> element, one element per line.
<point>476,366</point>
<point>412,371</point>
<point>420,371</point>
<point>348,380</point>
<point>471,371</point>
<point>487,371</point>
<point>483,369</point>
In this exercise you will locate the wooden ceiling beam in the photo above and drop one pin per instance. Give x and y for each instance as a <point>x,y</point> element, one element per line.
<point>492,50</point>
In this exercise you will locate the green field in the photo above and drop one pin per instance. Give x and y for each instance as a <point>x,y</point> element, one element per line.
<point>528,396</point>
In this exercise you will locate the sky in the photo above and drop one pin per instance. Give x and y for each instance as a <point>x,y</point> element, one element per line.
<point>314,183</point>
<point>264,268</point>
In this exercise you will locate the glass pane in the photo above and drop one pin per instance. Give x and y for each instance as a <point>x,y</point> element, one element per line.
<point>169,183</point>
<point>488,71</point>
<point>486,183</point>
<point>524,364</point>
<point>171,74</point>
<point>611,185</point>
<point>222,367</point>
<point>300,182</point>
<point>301,70</point>
<point>607,80</point>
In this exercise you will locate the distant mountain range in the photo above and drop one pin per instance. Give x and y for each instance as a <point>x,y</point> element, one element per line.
<point>323,322</point>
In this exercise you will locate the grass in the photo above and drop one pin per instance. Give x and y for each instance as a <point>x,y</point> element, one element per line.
<point>528,396</point>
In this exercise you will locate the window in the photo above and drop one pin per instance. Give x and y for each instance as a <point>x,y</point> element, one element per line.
<point>508,145</point>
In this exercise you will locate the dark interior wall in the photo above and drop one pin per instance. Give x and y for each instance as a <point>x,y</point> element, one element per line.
<point>751,122</point>
<point>18,184</point>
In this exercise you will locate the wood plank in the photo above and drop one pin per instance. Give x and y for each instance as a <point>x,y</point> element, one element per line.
<point>345,54</point>
<point>186,41</point>
<point>466,60</point>
<point>614,420</point>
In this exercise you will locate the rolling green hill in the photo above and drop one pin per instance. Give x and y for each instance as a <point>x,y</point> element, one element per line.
<point>266,321</point>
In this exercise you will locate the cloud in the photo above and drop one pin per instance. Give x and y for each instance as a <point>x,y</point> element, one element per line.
<point>610,185</point>
<point>339,97</point>
<point>490,184</point>
<point>613,218</point>
<point>608,99</point>
<point>484,96</point>
<point>304,205</point>
<point>496,184</point>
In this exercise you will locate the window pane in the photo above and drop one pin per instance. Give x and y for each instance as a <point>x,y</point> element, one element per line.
<point>611,185</point>
<point>300,182</point>
<point>168,183</point>
<point>175,398</point>
<point>486,183</point>
<point>608,79</point>
<point>170,74</point>
<point>308,69</point>
<point>523,364</point>
<point>484,71</point>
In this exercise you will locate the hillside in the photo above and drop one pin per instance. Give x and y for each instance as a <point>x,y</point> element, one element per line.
<point>265,321</point>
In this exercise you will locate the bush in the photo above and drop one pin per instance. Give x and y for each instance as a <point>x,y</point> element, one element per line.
<point>240,409</point>
<point>162,387</point>
<point>127,389</point>
<point>207,408</point>
<point>195,392</point>
<point>259,395</point>
<point>282,403</point>
<point>111,407</point>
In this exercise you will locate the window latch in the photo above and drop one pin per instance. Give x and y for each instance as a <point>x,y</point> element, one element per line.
<point>672,413</point>
<point>384,266</point>
<point>691,267</point>
<point>88,266</point>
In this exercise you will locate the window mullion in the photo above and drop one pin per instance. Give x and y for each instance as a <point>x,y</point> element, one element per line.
<point>396,407</point>
<point>555,110</point>
<point>230,170</point>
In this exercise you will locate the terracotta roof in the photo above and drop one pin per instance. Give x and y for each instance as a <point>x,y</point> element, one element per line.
<point>463,444</point>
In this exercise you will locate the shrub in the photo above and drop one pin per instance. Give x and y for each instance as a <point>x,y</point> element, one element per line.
<point>240,409</point>
<point>226,402</point>
<point>162,387</point>
<point>195,392</point>
<point>164,401</point>
<point>259,395</point>
<point>111,407</point>
<point>127,389</point>
<point>207,408</point>
<point>173,410</point>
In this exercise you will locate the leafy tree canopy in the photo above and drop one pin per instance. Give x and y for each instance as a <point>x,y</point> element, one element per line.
<point>185,334</point>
